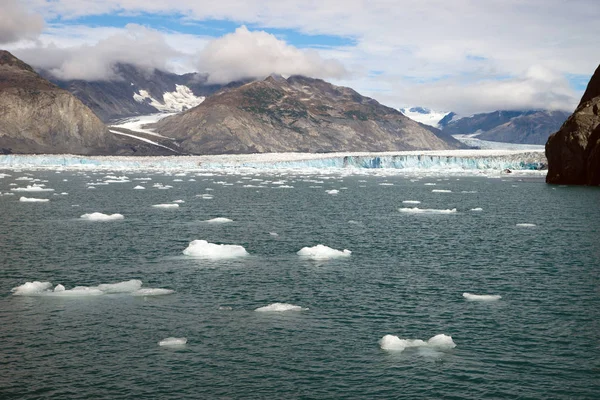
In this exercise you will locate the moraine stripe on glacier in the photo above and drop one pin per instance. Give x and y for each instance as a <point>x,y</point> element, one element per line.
<point>439,160</point>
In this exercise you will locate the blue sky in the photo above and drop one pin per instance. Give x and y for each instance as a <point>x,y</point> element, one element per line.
<point>469,56</point>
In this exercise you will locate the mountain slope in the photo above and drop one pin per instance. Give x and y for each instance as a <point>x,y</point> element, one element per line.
<point>38,117</point>
<point>523,127</point>
<point>297,114</point>
<point>139,92</point>
<point>574,151</point>
<point>425,115</point>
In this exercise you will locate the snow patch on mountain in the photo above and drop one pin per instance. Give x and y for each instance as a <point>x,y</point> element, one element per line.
<point>180,100</point>
<point>424,115</point>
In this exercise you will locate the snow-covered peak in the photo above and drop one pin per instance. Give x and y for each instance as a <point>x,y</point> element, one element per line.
<point>179,100</point>
<point>424,115</point>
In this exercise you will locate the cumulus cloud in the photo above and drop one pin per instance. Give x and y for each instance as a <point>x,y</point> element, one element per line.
<point>16,23</point>
<point>254,54</point>
<point>137,45</point>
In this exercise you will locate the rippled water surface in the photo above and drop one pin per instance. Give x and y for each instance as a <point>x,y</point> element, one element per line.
<point>405,277</point>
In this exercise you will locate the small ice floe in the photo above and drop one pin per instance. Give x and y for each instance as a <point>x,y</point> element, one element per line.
<point>168,205</point>
<point>225,308</point>
<point>416,210</point>
<point>96,216</point>
<point>218,220</point>
<point>280,307</point>
<point>204,249</point>
<point>178,201</point>
<point>139,187</point>
<point>173,342</point>
<point>411,202</point>
<point>321,252</point>
<point>34,188</point>
<point>441,191</point>
<point>526,225</point>
<point>273,234</point>
<point>481,297</point>
<point>469,191</point>
<point>131,287</point>
<point>430,184</point>
<point>394,343</point>
<point>477,209</point>
<point>332,191</point>
<point>205,196</point>
<point>386,184</point>
<point>32,200</point>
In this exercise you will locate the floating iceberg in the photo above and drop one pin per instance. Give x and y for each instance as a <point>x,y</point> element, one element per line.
<point>280,307</point>
<point>411,202</point>
<point>477,209</point>
<point>441,191</point>
<point>219,220</point>
<point>96,216</point>
<point>394,343</point>
<point>321,252</point>
<point>204,249</point>
<point>526,225</point>
<point>481,297</point>
<point>131,287</point>
<point>34,188</point>
<point>32,200</point>
<point>416,210</point>
<point>168,205</point>
<point>332,191</point>
<point>139,187</point>
<point>173,342</point>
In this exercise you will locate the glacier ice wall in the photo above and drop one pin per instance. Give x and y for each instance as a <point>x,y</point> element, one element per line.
<point>448,161</point>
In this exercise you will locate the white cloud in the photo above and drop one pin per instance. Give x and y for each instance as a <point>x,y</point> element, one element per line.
<point>17,23</point>
<point>246,54</point>
<point>137,45</point>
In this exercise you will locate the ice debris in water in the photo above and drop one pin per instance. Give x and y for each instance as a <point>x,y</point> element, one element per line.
<point>96,216</point>
<point>416,210</point>
<point>441,191</point>
<point>33,200</point>
<point>411,202</point>
<point>173,341</point>
<point>218,220</point>
<point>204,249</point>
<point>394,343</point>
<point>34,188</point>
<point>280,307</point>
<point>481,297</point>
<point>526,225</point>
<point>132,287</point>
<point>332,191</point>
<point>139,187</point>
<point>477,209</point>
<point>169,205</point>
<point>321,252</point>
<point>179,201</point>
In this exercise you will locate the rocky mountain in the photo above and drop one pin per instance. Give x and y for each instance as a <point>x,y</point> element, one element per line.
<point>523,127</point>
<point>297,114</point>
<point>135,91</point>
<point>574,151</point>
<point>36,116</point>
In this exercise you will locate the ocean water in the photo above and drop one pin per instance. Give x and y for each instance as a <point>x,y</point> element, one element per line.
<point>535,245</point>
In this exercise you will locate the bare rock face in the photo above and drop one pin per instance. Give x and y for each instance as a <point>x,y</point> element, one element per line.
<point>297,114</point>
<point>574,151</point>
<point>38,117</point>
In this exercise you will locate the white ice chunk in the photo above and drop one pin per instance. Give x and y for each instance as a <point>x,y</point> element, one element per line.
<point>321,252</point>
<point>481,297</point>
<point>526,225</point>
<point>416,210</point>
<point>178,201</point>
<point>204,249</point>
<point>332,191</point>
<point>121,287</point>
<point>173,342</point>
<point>31,288</point>
<point>411,202</point>
<point>169,205</point>
<point>477,209</point>
<point>394,343</point>
<point>218,220</point>
<point>34,188</point>
<point>96,216</point>
<point>33,200</point>
<point>280,307</point>
<point>152,292</point>
<point>441,191</point>
<point>139,187</point>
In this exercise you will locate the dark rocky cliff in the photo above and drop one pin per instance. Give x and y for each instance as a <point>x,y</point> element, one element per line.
<point>574,151</point>
<point>38,117</point>
<point>297,114</point>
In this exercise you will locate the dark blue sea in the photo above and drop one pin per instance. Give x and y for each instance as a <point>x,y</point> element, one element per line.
<point>405,277</point>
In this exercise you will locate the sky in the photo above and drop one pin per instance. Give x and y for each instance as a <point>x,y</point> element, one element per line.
<point>466,56</point>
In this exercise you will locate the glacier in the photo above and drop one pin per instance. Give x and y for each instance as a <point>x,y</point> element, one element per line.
<point>448,161</point>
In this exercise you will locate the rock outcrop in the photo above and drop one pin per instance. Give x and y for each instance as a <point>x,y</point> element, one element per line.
<point>36,116</point>
<point>574,151</point>
<point>297,114</point>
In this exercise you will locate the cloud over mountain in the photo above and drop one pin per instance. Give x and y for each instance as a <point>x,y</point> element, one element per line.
<point>17,23</point>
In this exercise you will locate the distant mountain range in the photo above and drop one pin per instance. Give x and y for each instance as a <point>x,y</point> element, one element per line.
<point>139,92</point>
<point>522,127</point>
